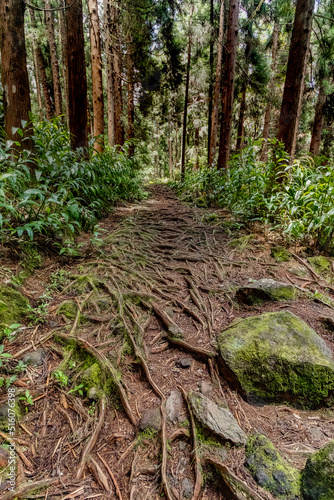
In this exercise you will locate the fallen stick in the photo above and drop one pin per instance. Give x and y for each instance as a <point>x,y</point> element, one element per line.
<point>19,451</point>
<point>26,488</point>
<point>112,476</point>
<point>91,442</point>
<point>98,474</point>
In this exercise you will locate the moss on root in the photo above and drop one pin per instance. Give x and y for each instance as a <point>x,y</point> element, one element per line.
<point>13,305</point>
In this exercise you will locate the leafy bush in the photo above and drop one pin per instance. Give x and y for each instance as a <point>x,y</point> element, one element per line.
<point>55,192</point>
<point>303,204</point>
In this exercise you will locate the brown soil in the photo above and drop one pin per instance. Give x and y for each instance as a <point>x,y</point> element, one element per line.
<point>190,270</point>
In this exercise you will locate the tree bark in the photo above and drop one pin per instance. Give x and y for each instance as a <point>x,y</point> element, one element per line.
<point>108,22</point>
<point>62,37</point>
<point>228,87</point>
<point>98,103</point>
<point>131,107</point>
<point>240,137</point>
<point>54,60</point>
<point>211,78</point>
<point>38,87</point>
<point>14,74</point>
<point>215,110</point>
<point>184,131</point>
<point>318,123</point>
<point>76,74</point>
<point>267,116</point>
<point>49,109</point>
<point>295,75</point>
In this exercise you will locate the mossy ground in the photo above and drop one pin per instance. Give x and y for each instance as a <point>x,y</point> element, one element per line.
<point>319,263</point>
<point>280,254</point>
<point>13,306</point>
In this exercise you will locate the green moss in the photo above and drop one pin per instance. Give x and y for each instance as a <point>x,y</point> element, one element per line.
<point>277,357</point>
<point>145,435</point>
<point>32,259</point>
<point>280,254</point>
<point>318,475</point>
<point>270,470</point>
<point>319,263</point>
<point>242,243</point>
<point>69,309</point>
<point>92,378</point>
<point>87,282</point>
<point>13,305</point>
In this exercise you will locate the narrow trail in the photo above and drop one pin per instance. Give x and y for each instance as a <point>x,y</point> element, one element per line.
<point>139,320</point>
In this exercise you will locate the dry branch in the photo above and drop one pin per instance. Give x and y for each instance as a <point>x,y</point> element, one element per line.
<point>26,488</point>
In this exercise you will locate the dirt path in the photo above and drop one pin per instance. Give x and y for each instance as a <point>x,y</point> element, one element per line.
<point>147,308</point>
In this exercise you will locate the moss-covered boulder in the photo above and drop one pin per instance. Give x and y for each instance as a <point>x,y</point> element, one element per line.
<point>265,289</point>
<point>270,470</point>
<point>277,357</point>
<point>280,254</point>
<point>318,475</point>
<point>13,305</point>
<point>319,263</point>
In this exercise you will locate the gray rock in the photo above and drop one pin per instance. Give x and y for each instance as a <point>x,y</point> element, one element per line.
<point>169,311</point>
<point>316,433</point>
<point>318,475</point>
<point>151,419</point>
<point>185,362</point>
<point>35,358</point>
<point>277,357</point>
<point>187,488</point>
<point>205,388</point>
<point>182,445</point>
<point>174,406</point>
<point>216,419</point>
<point>92,394</point>
<point>270,470</point>
<point>3,412</point>
<point>263,290</point>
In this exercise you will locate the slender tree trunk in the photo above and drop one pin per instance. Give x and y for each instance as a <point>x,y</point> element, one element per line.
<point>108,22</point>
<point>211,78</point>
<point>98,103</point>
<point>318,123</point>
<point>62,37</point>
<point>170,151</point>
<point>184,132</point>
<point>38,87</point>
<point>76,73</point>
<point>215,111</point>
<point>131,107</point>
<point>196,144</point>
<point>267,116</point>
<point>228,87</point>
<point>49,110</point>
<point>117,76</point>
<point>14,74</point>
<point>54,59</point>
<point>240,137</point>
<point>295,75</point>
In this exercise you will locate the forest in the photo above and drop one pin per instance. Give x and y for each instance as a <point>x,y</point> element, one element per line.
<point>167,249</point>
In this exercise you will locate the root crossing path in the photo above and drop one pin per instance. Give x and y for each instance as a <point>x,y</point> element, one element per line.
<point>130,335</point>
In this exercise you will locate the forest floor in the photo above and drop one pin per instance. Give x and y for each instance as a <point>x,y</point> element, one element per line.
<point>163,267</point>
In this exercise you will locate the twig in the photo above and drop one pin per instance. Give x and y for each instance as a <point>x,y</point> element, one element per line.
<point>111,475</point>
<point>91,442</point>
<point>26,488</point>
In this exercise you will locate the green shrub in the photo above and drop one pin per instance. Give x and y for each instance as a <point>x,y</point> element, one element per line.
<point>55,192</point>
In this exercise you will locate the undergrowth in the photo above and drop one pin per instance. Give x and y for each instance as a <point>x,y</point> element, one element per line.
<point>302,204</point>
<point>50,195</point>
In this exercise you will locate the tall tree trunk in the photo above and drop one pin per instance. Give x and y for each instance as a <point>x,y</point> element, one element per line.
<point>240,137</point>
<point>49,110</point>
<point>117,76</point>
<point>54,59</point>
<point>211,78</point>
<point>267,116</point>
<point>131,107</point>
<point>170,151</point>
<point>295,75</point>
<point>98,104</point>
<point>318,123</point>
<point>62,38</point>
<point>215,111</point>
<point>38,87</point>
<point>108,22</point>
<point>14,74</point>
<point>76,74</point>
<point>184,131</point>
<point>228,87</point>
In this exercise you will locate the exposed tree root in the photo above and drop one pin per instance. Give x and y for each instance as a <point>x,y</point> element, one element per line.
<point>164,480</point>
<point>26,488</point>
